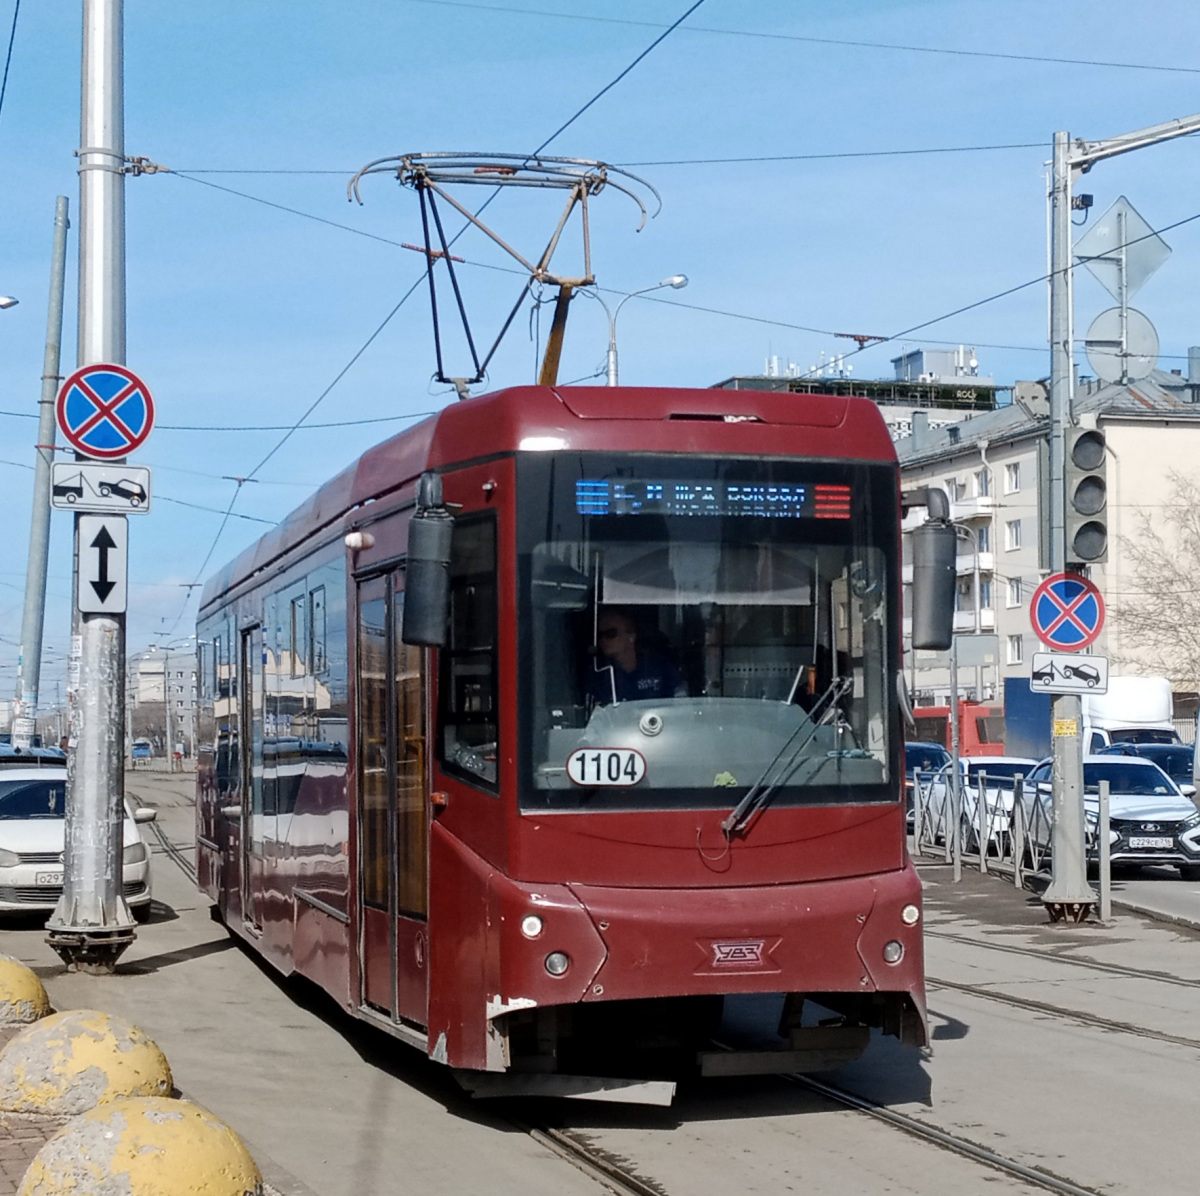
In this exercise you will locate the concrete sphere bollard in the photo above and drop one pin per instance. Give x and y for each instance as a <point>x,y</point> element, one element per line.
<point>22,996</point>
<point>144,1146</point>
<point>69,1062</point>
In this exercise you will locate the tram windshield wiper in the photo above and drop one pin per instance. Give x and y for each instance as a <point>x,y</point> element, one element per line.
<point>759,795</point>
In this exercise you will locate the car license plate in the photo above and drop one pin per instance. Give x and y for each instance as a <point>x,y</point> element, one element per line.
<point>48,878</point>
<point>1144,841</point>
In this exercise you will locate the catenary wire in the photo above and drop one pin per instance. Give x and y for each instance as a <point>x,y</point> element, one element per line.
<point>341,423</point>
<point>647,298</point>
<point>609,86</point>
<point>1021,286</point>
<point>403,299</point>
<point>831,155</point>
<point>825,41</point>
<point>12,37</point>
<point>162,498</point>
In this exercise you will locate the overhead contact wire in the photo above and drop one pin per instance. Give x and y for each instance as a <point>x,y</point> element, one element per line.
<point>403,299</point>
<point>12,37</point>
<point>826,41</point>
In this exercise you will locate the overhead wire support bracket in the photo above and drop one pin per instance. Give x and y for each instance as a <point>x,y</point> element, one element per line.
<point>429,174</point>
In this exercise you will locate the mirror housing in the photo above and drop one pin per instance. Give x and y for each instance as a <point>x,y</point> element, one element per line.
<point>427,573</point>
<point>144,814</point>
<point>934,553</point>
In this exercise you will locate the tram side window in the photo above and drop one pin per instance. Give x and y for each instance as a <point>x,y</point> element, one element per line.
<point>468,714</point>
<point>316,627</point>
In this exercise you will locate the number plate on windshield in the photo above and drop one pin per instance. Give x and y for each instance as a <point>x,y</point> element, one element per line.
<point>606,766</point>
<point>48,878</point>
<point>1144,841</point>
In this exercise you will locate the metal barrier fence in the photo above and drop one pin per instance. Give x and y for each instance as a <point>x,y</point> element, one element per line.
<point>1010,829</point>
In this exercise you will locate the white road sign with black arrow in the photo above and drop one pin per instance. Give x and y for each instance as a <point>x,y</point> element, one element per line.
<point>103,564</point>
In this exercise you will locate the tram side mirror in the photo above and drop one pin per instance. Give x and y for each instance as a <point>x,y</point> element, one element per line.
<point>427,574</point>
<point>933,555</point>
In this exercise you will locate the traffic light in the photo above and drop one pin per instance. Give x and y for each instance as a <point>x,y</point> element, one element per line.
<point>1086,497</point>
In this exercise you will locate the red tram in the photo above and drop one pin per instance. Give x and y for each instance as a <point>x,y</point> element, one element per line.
<point>488,850</point>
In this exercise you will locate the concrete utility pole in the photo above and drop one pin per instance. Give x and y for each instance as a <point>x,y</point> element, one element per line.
<point>92,925</point>
<point>29,668</point>
<point>1069,896</point>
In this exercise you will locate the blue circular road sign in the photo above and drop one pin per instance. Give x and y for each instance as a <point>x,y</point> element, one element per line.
<point>105,411</point>
<point>1067,612</point>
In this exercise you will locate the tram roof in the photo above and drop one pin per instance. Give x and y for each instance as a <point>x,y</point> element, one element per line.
<point>537,417</point>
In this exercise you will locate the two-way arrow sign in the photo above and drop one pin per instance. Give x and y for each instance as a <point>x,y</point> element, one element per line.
<point>103,564</point>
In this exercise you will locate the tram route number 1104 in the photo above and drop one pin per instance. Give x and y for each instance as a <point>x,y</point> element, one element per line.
<point>606,766</point>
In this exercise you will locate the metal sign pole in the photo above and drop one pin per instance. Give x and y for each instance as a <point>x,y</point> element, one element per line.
<point>1104,854</point>
<point>92,925</point>
<point>955,830</point>
<point>1068,896</point>
<point>29,670</point>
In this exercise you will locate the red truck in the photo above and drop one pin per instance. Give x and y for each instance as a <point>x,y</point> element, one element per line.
<point>980,728</point>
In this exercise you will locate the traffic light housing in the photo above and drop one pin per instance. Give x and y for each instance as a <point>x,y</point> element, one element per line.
<point>1086,503</point>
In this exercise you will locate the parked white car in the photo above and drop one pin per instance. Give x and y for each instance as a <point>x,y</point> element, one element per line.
<point>997,777</point>
<point>32,836</point>
<point>1150,819</point>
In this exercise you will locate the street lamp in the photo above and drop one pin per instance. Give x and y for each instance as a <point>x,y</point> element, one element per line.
<point>676,282</point>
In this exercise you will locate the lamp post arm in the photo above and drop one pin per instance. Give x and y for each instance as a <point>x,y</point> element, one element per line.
<point>612,329</point>
<point>1083,154</point>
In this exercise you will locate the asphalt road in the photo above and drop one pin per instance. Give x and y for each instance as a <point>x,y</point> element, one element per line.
<point>1072,1050</point>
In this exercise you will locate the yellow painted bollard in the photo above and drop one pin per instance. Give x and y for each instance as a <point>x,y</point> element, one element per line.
<point>144,1146</point>
<point>69,1062</point>
<point>22,997</point>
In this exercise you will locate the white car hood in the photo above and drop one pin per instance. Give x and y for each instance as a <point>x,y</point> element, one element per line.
<point>1159,808</point>
<point>46,834</point>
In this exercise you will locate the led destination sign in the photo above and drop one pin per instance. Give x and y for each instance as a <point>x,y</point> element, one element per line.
<point>796,500</point>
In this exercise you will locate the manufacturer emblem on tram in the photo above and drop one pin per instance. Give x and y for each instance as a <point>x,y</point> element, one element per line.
<point>738,953</point>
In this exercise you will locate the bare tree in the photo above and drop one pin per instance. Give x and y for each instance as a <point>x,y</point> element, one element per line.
<point>1159,613</point>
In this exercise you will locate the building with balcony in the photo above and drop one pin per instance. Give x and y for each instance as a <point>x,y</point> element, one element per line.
<point>160,699</point>
<point>994,467</point>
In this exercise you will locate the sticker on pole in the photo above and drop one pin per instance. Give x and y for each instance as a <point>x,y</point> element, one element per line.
<point>1067,612</point>
<point>105,411</point>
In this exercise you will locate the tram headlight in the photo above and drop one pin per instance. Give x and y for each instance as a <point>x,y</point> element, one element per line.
<point>531,926</point>
<point>557,963</point>
<point>893,952</point>
<point>910,915</point>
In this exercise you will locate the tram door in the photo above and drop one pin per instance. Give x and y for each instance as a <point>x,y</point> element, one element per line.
<point>250,717</point>
<point>394,807</point>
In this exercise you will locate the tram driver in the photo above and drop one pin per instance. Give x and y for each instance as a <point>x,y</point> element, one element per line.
<point>625,671</point>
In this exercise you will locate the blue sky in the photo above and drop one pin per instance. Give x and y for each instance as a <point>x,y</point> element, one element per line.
<point>240,314</point>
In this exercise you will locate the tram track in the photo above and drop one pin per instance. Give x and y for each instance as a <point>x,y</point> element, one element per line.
<point>1029,1004</point>
<point>174,852</point>
<point>953,1142</point>
<point>1112,969</point>
<point>608,1170</point>
<point>616,1173</point>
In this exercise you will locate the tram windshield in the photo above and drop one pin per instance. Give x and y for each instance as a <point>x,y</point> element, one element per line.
<point>691,626</point>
